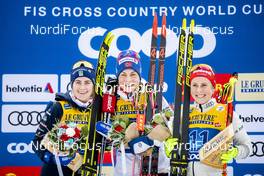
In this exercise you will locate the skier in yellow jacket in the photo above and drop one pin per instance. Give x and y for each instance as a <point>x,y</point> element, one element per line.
<point>207,118</point>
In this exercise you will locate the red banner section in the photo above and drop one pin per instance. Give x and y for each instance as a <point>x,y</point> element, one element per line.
<point>20,171</point>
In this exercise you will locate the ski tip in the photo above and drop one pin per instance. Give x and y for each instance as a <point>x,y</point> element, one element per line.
<point>155,15</point>
<point>184,24</point>
<point>163,19</point>
<point>192,25</point>
<point>109,38</point>
<point>155,25</point>
<point>163,28</point>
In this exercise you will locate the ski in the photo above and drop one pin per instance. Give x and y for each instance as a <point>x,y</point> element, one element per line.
<point>160,80</point>
<point>154,157</point>
<point>152,70</point>
<point>145,170</point>
<point>89,167</point>
<point>179,156</point>
<point>150,163</point>
<point>186,100</point>
<point>108,109</point>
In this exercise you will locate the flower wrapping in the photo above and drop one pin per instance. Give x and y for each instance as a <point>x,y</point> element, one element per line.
<point>67,141</point>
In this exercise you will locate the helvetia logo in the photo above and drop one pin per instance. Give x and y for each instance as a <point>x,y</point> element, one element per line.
<point>251,118</point>
<point>32,88</point>
<point>48,88</point>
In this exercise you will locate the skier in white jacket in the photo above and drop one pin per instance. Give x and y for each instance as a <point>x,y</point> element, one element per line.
<point>128,72</point>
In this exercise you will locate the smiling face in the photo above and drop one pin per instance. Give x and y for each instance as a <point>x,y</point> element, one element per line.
<point>201,90</point>
<point>128,80</point>
<point>82,89</point>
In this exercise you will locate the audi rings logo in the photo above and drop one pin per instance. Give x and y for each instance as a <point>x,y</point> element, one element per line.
<point>194,156</point>
<point>257,149</point>
<point>25,118</point>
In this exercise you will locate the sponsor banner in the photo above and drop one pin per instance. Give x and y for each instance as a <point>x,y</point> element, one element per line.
<point>252,115</point>
<point>29,87</point>
<point>20,171</point>
<point>35,171</point>
<point>257,153</point>
<point>250,87</point>
<point>65,83</point>
<point>21,118</point>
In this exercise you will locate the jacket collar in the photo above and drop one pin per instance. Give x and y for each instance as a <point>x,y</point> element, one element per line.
<point>205,107</point>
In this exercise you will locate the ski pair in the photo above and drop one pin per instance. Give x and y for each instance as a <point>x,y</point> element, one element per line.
<point>95,141</point>
<point>149,165</point>
<point>179,155</point>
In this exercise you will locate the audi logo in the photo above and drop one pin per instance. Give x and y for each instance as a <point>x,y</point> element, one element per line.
<point>257,149</point>
<point>193,156</point>
<point>25,118</point>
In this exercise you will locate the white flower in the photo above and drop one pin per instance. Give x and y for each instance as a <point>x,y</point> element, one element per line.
<point>70,132</point>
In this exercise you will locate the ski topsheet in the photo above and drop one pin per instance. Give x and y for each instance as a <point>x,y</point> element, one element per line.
<point>179,156</point>
<point>93,143</point>
<point>150,162</point>
<point>152,70</point>
<point>150,110</point>
<point>160,80</point>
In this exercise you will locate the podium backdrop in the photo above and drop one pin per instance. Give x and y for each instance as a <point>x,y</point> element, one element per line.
<point>40,41</point>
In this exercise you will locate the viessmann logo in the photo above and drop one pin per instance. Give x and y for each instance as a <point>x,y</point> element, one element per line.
<point>29,87</point>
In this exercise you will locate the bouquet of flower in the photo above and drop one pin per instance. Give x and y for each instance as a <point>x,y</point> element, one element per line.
<point>117,132</point>
<point>68,141</point>
<point>124,131</point>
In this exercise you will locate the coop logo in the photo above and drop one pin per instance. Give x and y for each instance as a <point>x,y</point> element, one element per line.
<point>29,88</point>
<point>135,40</point>
<point>21,148</point>
<point>250,87</point>
<point>22,118</point>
